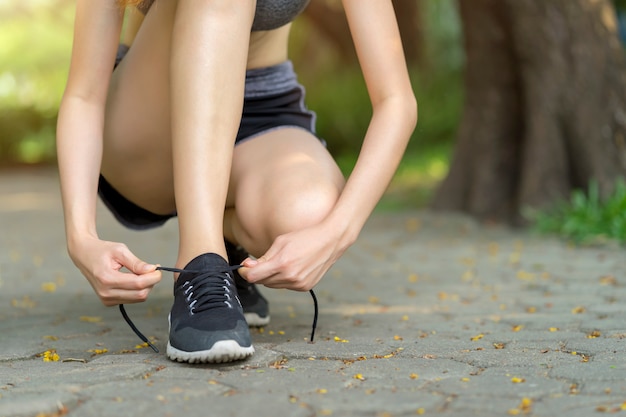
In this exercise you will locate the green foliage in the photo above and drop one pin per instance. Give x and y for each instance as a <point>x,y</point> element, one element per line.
<point>27,136</point>
<point>339,97</point>
<point>586,218</point>
<point>35,45</point>
<point>36,42</point>
<point>343,108</point>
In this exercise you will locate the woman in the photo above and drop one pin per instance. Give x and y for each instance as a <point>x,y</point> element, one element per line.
<point>154,137</point>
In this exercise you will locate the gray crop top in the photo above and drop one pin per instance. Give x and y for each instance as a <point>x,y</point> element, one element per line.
<point>270,14</point>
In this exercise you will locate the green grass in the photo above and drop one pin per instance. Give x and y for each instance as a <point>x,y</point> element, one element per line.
<point>586,218</point>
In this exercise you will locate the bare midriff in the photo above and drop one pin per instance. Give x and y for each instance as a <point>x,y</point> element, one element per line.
<point>268,48</point>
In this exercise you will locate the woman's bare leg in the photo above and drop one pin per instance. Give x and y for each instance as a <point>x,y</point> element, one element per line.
<point>282,181</point>
<point>209,54</point>
<point>172,116</point>
<point>187,160</point>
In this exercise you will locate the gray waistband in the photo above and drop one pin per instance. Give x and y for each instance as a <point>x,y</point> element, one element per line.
<point>270,80</point>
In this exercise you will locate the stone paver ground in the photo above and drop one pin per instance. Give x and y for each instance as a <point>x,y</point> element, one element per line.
<point>426,314</point>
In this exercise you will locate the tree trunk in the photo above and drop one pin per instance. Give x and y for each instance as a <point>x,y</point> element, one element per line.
<point>410,23</point>
<point>545,108</point>
<point>329,19</point>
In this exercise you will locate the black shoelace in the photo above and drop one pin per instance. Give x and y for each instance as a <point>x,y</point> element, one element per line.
<point>205,305</point>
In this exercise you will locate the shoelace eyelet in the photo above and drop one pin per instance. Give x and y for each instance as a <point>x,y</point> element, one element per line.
<point>191,306</point>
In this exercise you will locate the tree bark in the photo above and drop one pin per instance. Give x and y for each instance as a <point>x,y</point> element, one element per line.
<point>410,22</point>
<point>545,108</point>
<point>329,19</point>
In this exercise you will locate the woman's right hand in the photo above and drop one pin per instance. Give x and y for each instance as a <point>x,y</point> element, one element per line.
<point>101,262</point>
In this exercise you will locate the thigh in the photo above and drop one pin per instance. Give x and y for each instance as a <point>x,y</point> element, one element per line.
<point>281,180</point>
<point>137,157</point>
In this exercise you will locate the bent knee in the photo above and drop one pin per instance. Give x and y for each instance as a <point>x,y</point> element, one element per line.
<point>302,208</point>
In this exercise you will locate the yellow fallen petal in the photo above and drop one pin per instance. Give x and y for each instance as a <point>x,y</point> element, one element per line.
<point>90,319</point>
<point>517,380</point>
<point>25,302</point>
<point>477,337</point>
<point>98,351</point>
<point>412,225</point>
<point>360,377</point>
<point>48,287</point>
<point>50,356</point>
<point>525,404</point>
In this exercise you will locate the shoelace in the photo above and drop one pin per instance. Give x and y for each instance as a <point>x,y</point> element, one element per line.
<point>229,269</point>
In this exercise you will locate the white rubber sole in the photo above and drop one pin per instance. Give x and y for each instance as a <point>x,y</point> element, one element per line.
<point>254,320</point>
<point>221,352</point>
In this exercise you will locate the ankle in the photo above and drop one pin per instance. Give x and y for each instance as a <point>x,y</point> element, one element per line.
<point>185,259</point>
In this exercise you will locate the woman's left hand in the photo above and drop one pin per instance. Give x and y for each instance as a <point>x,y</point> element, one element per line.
<point>296,260</point>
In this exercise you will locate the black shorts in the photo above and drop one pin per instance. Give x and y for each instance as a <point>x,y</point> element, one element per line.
<point>273,99</point>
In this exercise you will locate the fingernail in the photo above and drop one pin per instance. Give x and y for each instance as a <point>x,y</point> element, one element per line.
<point>250,262</point>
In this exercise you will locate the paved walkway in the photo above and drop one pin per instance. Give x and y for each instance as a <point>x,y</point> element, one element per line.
<point>425,315</point>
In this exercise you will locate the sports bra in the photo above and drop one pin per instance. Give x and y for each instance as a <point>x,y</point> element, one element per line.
<point>270,14</point>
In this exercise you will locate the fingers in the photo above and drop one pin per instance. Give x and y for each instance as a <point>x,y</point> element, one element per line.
<point>132,263</point>
<point>275,273</point>
<point>126,288</point>
<point>114,286</point>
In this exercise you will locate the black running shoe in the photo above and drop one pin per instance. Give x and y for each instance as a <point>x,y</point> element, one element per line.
<point>206,321</point>
<point>255,307</point>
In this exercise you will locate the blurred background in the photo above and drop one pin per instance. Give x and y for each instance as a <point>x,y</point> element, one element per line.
<point>522,102</point>
<point>35,47</point>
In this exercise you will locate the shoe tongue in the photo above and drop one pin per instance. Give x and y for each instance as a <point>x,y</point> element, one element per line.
<point>207,262</point>
<point>203,263</point>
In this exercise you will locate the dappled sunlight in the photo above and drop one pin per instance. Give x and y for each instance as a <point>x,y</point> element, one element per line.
<point>416,180</point>
<point>37,39</point>
<point>426,176</point>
